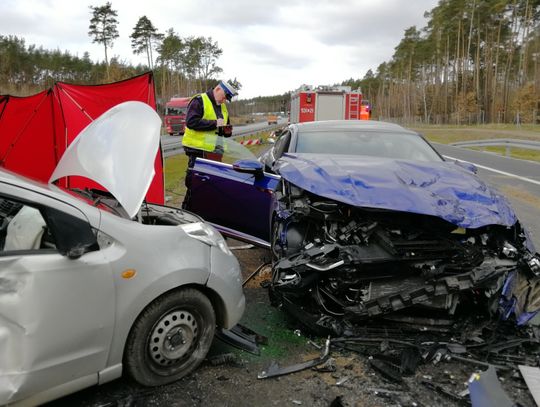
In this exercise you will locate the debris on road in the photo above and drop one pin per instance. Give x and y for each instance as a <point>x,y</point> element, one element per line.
<point>243,338</point>
<point>485,390</point>
<point>275,370</point>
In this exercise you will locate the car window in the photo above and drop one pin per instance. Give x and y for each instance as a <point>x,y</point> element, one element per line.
<point>175,111</point>
<point>23,228</point>
<point>374,144</point>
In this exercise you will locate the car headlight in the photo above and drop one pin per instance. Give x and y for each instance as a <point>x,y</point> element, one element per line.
<point>207,234</point>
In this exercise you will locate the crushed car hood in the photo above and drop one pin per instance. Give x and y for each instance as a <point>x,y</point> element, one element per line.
<point>441,189</point>
<point>117,151</point>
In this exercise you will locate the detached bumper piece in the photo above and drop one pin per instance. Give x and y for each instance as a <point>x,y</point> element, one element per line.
<point>242,338</point>
<point>274,370</point>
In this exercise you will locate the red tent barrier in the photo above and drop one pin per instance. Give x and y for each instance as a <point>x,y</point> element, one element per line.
<point>36,130</point>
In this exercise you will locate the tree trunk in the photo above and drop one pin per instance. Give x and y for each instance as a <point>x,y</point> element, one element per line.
<point>106,61</point>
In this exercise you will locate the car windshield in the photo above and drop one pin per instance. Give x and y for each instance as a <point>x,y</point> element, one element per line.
<point>374,144</point>
<point>175,111</point>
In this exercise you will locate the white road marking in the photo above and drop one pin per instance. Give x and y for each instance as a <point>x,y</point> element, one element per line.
<point>532,181</point>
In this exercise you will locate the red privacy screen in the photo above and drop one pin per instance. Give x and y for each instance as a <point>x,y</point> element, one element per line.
<point>36,130</point>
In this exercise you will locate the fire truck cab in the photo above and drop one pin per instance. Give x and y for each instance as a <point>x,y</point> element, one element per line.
<point>325,103</point>
<point>175,115</point>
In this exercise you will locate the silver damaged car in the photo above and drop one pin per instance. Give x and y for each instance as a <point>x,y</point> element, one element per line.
<point>93,284</point>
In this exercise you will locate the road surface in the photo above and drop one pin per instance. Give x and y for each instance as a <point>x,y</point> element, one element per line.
<point>518,180</point>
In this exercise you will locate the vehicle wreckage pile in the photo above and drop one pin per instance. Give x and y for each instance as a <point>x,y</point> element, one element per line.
<point>405,289</point>
<point>338,266</point>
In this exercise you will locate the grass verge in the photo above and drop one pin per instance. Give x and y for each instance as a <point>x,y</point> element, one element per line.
<point>453,134</point>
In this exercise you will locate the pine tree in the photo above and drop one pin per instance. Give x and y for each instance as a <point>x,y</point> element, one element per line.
<point>144,38</point>
<point>103,27</point>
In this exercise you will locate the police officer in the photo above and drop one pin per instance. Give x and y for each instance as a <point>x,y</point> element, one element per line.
<point>206,119</point>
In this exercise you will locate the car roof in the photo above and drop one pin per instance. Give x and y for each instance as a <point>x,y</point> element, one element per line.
<point>352,125</point>
<point>50,190</point>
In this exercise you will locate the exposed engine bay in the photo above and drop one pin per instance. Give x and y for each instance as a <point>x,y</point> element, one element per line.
<point>149,214</point>
<point>336,266</point>
<point>166,215</point>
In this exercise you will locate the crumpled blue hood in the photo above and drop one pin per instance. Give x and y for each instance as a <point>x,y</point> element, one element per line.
<point>441,189</point>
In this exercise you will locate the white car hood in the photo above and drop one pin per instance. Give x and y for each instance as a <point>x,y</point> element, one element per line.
<point>117,150</point>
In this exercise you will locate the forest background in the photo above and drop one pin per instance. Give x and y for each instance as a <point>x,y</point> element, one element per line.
<point>475,62</point>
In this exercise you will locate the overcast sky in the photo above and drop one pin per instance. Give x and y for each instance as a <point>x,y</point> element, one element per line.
<point>270,46</point>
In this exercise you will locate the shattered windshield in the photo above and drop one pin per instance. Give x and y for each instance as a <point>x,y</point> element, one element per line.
<point>379,144</point>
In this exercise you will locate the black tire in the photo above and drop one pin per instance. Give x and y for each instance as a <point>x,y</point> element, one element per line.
<point>170,338</point>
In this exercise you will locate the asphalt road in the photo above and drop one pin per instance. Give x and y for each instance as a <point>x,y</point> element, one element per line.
<point>518,180</point>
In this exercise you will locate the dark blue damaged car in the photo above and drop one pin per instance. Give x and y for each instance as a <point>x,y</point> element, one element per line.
<point>366,220</point>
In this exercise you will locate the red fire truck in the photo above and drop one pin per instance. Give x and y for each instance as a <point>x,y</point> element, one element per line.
<point>325,103</point>
<point>175,115</point>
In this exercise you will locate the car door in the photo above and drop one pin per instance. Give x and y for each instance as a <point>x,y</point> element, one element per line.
<point>56,310</point>
<point>238,203</point>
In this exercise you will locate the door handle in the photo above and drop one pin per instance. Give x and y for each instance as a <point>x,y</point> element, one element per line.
<point>202,177</point>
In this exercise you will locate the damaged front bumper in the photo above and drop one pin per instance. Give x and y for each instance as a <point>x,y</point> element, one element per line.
<point>337,265</point>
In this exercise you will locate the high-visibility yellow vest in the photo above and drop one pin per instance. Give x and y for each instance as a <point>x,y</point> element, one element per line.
<point>204,140</point>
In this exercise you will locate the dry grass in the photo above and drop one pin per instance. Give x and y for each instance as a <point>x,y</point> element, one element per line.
<point>175,173</point>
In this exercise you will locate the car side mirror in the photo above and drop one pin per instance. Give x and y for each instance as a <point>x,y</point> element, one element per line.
<point>75,252</point>
<point>249,166</point>
<point>73,236</point>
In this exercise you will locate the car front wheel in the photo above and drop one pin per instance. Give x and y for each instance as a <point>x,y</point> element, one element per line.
<point>170,338</point>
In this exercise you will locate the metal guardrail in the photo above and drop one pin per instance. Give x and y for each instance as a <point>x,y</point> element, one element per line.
<point>172,149</point>
<point>239,131</point>
<point>508,143</point>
